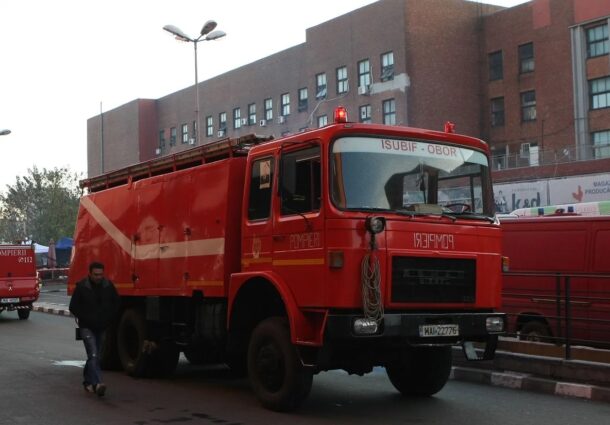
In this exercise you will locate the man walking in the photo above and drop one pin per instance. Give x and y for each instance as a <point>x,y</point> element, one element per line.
<point>94,303</point>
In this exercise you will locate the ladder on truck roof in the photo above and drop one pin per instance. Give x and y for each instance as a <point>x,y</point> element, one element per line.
<point>215,151</point>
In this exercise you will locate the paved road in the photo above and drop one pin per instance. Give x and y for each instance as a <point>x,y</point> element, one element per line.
<point>40,378</point>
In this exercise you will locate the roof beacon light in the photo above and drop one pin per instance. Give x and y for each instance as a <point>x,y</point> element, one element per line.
<point>449,127</point>
<point>340,115</point>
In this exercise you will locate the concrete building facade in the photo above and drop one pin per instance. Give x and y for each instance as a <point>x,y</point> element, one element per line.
<point>532,80</point>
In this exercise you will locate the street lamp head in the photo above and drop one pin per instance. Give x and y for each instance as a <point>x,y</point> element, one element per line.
<point>5,132</point>
<point>215,35</point>
<point>180,35</point>
<point>208,27</point>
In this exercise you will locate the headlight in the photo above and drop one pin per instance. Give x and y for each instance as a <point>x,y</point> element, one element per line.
<point>494,324</point>
<point>375,224</point>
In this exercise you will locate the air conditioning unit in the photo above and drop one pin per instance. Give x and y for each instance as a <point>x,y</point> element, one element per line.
<point>158,151</point>
<point>191,141</point>
<point>364,89</point>
<point>281,119</point>
<point>220,133</point>
<point>262,123</point>
<point>244,121</point>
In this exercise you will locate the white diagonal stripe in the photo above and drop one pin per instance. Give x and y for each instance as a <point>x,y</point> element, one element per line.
<point>212,246</point>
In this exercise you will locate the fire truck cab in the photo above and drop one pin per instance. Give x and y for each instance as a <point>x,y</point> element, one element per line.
<point>346,247</point>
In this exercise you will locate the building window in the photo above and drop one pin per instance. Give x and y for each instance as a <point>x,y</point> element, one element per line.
<point>342,85</point>
<point>252,114</point>
<point>387,66</point>
<point>303,103</point>
<point>236,118</point>
<point>597,40</point>
<point>496,71</point>
<point>389,112</point>
<point>222,123</point>
<point>172,136</point>
<point>364,74</point>
<point>209,126</point>
<point>269,109</point>
<point>321,86</point>
<point>526,58</point>
<point>601,144</point>
<point>365,114</point>
<point>599,90</point>
<point>528,106</point>
<point>161,139</point>
<point>322,121</point>
<point>285,104</point>
<point>185,133</point>
<point>497,112</point>
<point>194,130</point>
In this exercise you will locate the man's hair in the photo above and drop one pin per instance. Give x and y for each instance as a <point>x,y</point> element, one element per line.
<point>95,265</point>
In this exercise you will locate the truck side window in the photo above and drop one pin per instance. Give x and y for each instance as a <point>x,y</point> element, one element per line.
<point>300,181</point>
<point>259,204</point>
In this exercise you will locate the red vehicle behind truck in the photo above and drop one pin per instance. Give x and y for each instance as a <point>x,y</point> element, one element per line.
<point>19,284</point>
<point>543,252</point>
<point>345,247</point>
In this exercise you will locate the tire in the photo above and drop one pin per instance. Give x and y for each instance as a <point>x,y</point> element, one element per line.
<point>23,313</point>
<point>131,336</point>
<point>420,371</point>
<point>534,330</point>
<point>276,374</point>
<point>164,360</point>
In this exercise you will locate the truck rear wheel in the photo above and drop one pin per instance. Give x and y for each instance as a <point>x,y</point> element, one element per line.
<point>139,356</point>
<point>276,374</point>
<point>23,313</point>
<point>535,330</point>
<point>420,371</point>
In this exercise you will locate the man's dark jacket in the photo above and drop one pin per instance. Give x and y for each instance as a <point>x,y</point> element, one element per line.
<point>94,305</point>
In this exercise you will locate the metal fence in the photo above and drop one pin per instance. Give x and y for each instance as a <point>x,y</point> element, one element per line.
<point>560,308</point>
<point>533,157</point>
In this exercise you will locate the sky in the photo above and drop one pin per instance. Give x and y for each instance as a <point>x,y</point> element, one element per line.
<point>64,61</point>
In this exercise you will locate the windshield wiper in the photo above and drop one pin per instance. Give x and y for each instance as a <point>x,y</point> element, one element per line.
<point>411,213</point>
<point>470,216</point>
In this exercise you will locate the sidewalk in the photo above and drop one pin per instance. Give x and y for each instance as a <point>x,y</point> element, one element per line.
<point>517,365</point>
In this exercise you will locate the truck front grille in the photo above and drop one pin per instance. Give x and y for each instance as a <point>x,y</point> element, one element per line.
<point>445,280</point>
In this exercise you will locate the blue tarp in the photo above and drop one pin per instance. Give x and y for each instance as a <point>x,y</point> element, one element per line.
<point>64,243</point>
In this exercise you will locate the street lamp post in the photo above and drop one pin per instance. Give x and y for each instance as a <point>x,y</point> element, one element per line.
<point>5,132</point>
<point>206,34</point>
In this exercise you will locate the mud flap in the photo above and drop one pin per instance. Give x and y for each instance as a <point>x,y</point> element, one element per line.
<point>490,349</point>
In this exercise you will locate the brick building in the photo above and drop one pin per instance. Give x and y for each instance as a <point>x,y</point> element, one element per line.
<point>532,80</point>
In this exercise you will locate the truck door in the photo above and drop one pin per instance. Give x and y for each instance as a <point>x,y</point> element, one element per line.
<point>298,236</point>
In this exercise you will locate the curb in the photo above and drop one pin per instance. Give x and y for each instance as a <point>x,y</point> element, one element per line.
<point>51,308</point>
<point>528,382</point>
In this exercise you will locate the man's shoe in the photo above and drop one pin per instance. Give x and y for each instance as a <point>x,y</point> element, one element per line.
<point>100,390</point>
<point>89,388</point>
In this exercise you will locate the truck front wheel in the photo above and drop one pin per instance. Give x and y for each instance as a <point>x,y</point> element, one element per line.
<point>420,371</point>
<point>276,374</point>
<point>131,335</point>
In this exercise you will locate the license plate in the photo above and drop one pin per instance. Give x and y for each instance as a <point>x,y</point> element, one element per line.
<point>9,300</point>
<point>438,330</point>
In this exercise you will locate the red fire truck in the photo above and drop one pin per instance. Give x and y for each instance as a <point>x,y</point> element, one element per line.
<point>19,285</point>
<point>345,247</point>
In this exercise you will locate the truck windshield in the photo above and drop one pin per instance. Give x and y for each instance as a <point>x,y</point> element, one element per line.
<point>375,173</point>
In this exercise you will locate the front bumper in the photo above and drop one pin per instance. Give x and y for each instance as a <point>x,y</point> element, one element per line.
<point>406,327</point>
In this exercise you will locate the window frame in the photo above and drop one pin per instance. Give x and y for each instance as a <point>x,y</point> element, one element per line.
<point>387,66</point>
<point>527,61</point>
<point>321,86</point>
<point>342,80</point>
<point>268,106</point>
<point>603,41</point>
<point>364,73</point>
<point>527,106</point>
<point>601,150</point>
<point>303,99</point>
<point>388,107</point>
<point>365,118</point>
<point>497,115</point>
<point>209,126</point>
<point>253,167</point>
<point>598,95</point>
<point>252,114</point>
<point>185,133</point>
<point>285,104</point>
<point>309,154</point>
<point>496,65</point>
<point>173,136</point>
